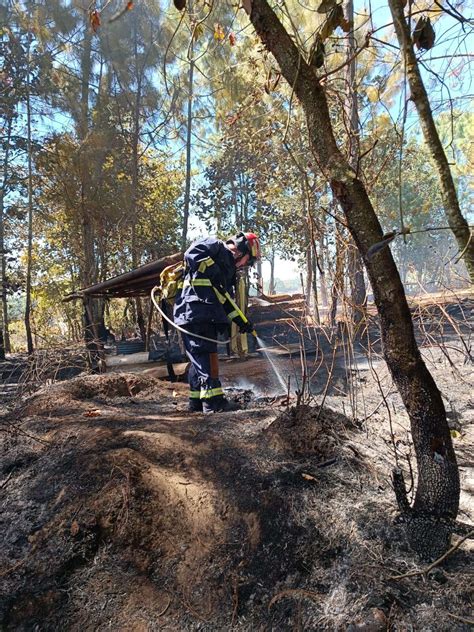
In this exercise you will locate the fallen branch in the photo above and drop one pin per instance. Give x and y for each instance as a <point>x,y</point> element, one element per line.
<point>463,619</point>
<point>6,480</point>
<point>162,612</point>
<point>426,570</point>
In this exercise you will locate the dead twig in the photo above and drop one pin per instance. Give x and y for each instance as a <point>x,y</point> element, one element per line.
<point>165,609</point>
<point>293,592</point>
<point>27,434</point>
<point>14,567</point>
<point>426,570</point>
<point>6,480</point>
<point>463,619</point>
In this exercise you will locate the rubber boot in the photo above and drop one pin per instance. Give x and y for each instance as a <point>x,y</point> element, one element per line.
<point>195,405</point>
<point>219,405</point>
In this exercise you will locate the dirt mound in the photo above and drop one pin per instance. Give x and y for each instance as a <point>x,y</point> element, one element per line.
<point>63,397</point>
<point>144,517</point>
<point>307,430</point>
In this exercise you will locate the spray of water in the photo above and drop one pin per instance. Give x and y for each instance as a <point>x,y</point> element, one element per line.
<point>272,363</point>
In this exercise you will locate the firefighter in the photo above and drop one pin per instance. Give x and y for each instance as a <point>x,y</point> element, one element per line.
<point>204,306</point>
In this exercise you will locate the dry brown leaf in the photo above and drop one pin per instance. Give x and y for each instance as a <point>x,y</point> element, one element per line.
<point>346,25</point>
<point>92,413</point>
<point>94,20</point>
<point>74,528</point>
<point>424,35</point>
<point>326,6</point>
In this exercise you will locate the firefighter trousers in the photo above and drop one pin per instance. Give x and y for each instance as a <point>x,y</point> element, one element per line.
<point>205,388</point>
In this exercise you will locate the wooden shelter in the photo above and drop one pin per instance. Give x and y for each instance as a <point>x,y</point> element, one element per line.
<point>138,282</point>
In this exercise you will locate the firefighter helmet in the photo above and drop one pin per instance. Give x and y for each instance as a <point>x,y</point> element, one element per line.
<point>247,244</point>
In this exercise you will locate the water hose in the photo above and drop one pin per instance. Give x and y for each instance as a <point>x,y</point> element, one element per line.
<point>184,331</point>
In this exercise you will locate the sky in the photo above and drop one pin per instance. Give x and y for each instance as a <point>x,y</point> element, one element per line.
<point>456,86</point>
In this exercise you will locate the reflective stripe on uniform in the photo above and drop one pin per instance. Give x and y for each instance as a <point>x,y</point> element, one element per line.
<point>197,283</point>
<point>211,392</point>
<point>195,394</point>
<point>207,263</point>
<point>236,308</point>
<point>233,314</point>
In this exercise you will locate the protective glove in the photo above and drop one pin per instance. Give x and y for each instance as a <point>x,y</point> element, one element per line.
<point>246,328</point>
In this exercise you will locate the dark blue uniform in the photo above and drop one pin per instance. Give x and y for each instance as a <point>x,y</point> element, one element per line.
<point>204,306</point>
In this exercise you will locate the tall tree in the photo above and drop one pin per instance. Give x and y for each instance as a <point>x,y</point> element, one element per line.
<point>13,79</point>
<point>189,132</point>
<point>24,79</point>
<point>29,150</point>
<point>356,271</point>
<point>419,96</point>
<point>437,493</point>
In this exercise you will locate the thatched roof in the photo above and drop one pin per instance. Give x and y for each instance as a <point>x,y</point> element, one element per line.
<point>138,282</point>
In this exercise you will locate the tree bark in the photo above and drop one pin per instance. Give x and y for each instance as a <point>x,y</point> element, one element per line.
<point>315,261</point>
<point>309,279</point>
<point>271,285</point>
<point>135,178</point>
<point>5,339</point>
<point>322,273</point>
<point>337,289</point>
<point>354,260</point>
<point>93,309</point>
<point>455,219</point>
<point>29,249</point>
<point>437,492</point>
<point>189,127</point>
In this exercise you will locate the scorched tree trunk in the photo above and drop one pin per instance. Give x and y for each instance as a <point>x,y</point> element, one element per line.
<point>437,494</point>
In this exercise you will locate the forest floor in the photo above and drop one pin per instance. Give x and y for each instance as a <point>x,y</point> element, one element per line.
<point>120,510</point>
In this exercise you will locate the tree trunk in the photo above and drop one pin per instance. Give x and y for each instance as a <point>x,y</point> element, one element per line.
<point>315,262</point>
<point>437,492</point>
<point>29,249</point>
<point>322,273</point>
<point>455,219</point>
<point>337,290</point>
<point>5,338</point>
<point>271,285</point>
<point>189,127</point>
<point>135,181</point>
<point>309,279</point>
<point>317,316</point>
<point>2,347</point>
<point>358,289</point>
<point>88,267</point>
<point>354,260</point>
<point>93,309</point>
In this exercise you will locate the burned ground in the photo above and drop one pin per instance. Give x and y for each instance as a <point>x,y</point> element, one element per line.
<point>120,510</point>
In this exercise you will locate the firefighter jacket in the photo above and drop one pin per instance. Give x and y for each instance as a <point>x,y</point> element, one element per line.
<point>208,286</point>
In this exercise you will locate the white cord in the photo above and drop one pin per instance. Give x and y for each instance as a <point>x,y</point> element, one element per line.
<point>188,333</point>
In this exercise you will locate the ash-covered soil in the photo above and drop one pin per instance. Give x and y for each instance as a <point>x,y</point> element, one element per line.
<point>120,510</point>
